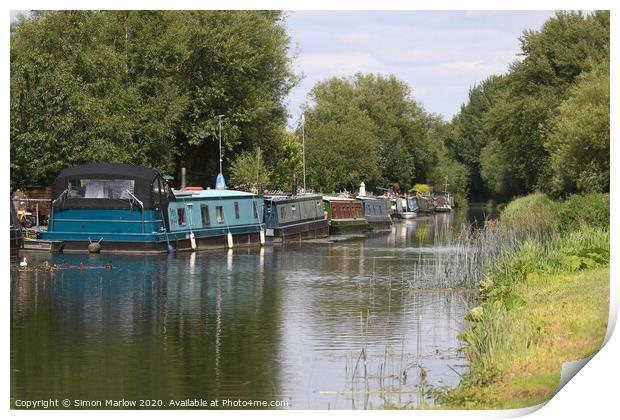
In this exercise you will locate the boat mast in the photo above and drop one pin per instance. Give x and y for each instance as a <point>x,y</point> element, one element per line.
<point>303,145</point>
<point>220,139</point>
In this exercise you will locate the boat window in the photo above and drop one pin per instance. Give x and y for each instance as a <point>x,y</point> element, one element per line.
<point>282,214</point>
<point>181,214</point>
<point>255,209</point>
<point>101,188</point>
<point>219,214</point>
<point>204,212</point>
<point>237,210</point>
<point>156,193</point>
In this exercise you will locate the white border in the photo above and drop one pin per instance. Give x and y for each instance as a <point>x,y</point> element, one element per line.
<point>591,394</point>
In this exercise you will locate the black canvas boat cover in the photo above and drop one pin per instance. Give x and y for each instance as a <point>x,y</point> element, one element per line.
<point>113,181</point>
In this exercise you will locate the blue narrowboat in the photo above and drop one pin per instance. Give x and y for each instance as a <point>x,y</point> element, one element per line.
<point>113,207</point>
<point>294,217</point>
<point>376,212</point>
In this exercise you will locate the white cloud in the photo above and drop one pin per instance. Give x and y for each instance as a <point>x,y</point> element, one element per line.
<point>440,54</point>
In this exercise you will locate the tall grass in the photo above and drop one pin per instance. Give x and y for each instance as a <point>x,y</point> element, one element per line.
<point>521,249</point>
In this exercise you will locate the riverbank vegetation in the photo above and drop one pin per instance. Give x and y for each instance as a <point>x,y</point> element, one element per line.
<point>543,301</point>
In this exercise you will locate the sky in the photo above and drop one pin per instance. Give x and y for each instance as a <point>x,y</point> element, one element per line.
<point>440,55</point>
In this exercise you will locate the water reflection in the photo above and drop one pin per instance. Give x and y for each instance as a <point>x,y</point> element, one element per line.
<point>335,325</point>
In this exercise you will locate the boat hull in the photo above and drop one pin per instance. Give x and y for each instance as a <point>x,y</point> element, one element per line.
<point>347,226</point>
<point>299,232</point>
<point>160,246</point>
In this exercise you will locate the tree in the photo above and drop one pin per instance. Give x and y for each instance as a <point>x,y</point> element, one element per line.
<point>286,161</point>
<point>568,45</point>
<point>341,153</point>
<point>509,121</point>
<point>578,137</point>
<point>145,87</point>
<point>249,173</point>
<point>469,135</point>
<point>369,128</point>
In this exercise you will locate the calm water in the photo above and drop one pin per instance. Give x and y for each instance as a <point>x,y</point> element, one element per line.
<point>320,325</point>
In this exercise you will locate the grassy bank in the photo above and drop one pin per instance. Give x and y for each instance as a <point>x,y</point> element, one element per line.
<point>544,301</point>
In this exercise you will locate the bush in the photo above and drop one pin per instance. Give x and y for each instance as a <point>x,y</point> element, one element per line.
<point>579,211</point>
<point>532,216</point>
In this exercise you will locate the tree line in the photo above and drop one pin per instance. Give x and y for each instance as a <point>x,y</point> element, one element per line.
<point>147,87</point>
<point>544,125</point>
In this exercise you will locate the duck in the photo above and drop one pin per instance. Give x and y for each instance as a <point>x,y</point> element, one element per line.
<point>24,263</point>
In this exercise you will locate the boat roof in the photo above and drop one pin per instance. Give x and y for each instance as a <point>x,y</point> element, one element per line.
<point>299,197</point>
<point>210,193</point>
<point>333,198</point>
<point>369,198</point>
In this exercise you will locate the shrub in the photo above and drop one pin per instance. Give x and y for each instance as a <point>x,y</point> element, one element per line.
<point>578,211</point>
<point>532,216</point>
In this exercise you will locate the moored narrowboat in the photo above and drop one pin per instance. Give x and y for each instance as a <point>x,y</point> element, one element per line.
<point>426,204</point>
<point>409,207</point>
<point>294,217</point>
<point>442,203</point>
<point>345,215</point>
<point>113,207</point>
<point>376,212</point>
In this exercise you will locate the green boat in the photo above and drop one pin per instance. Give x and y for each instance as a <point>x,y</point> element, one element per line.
<point>345,215</point>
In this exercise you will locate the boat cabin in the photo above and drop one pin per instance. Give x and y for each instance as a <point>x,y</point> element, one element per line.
<point>131,208</point>
<point>294,217</point>
<point>376,212</point>
<point>345,215</point>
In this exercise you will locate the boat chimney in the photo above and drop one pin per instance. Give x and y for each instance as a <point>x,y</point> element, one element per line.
<point>362,190</point>
<point>183,178</point>
<point>294,185</point>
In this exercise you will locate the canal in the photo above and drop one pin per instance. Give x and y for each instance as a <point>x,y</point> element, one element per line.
<point>328,325</point>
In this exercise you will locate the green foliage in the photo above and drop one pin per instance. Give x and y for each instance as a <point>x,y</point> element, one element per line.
<point>579,211</point>
<point>341,153</point>
<point>534,215</point>
<point>286,161</point>
<point>369,128</point>
<point>468,135</point>
<point>495,169</point>
<point>248,172</point>
<point>578,136</point>
<point>544,125</point>
<point>144,87</point>
<point>421,189</point>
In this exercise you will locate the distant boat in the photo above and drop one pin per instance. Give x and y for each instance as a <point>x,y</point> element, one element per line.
<point>442,202</point>
<point>410,207</point>
<point>131,209</point>
<point>294,217</point>
<point>425,204</point>
<point>345,215</point>
<point>376,212</point>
